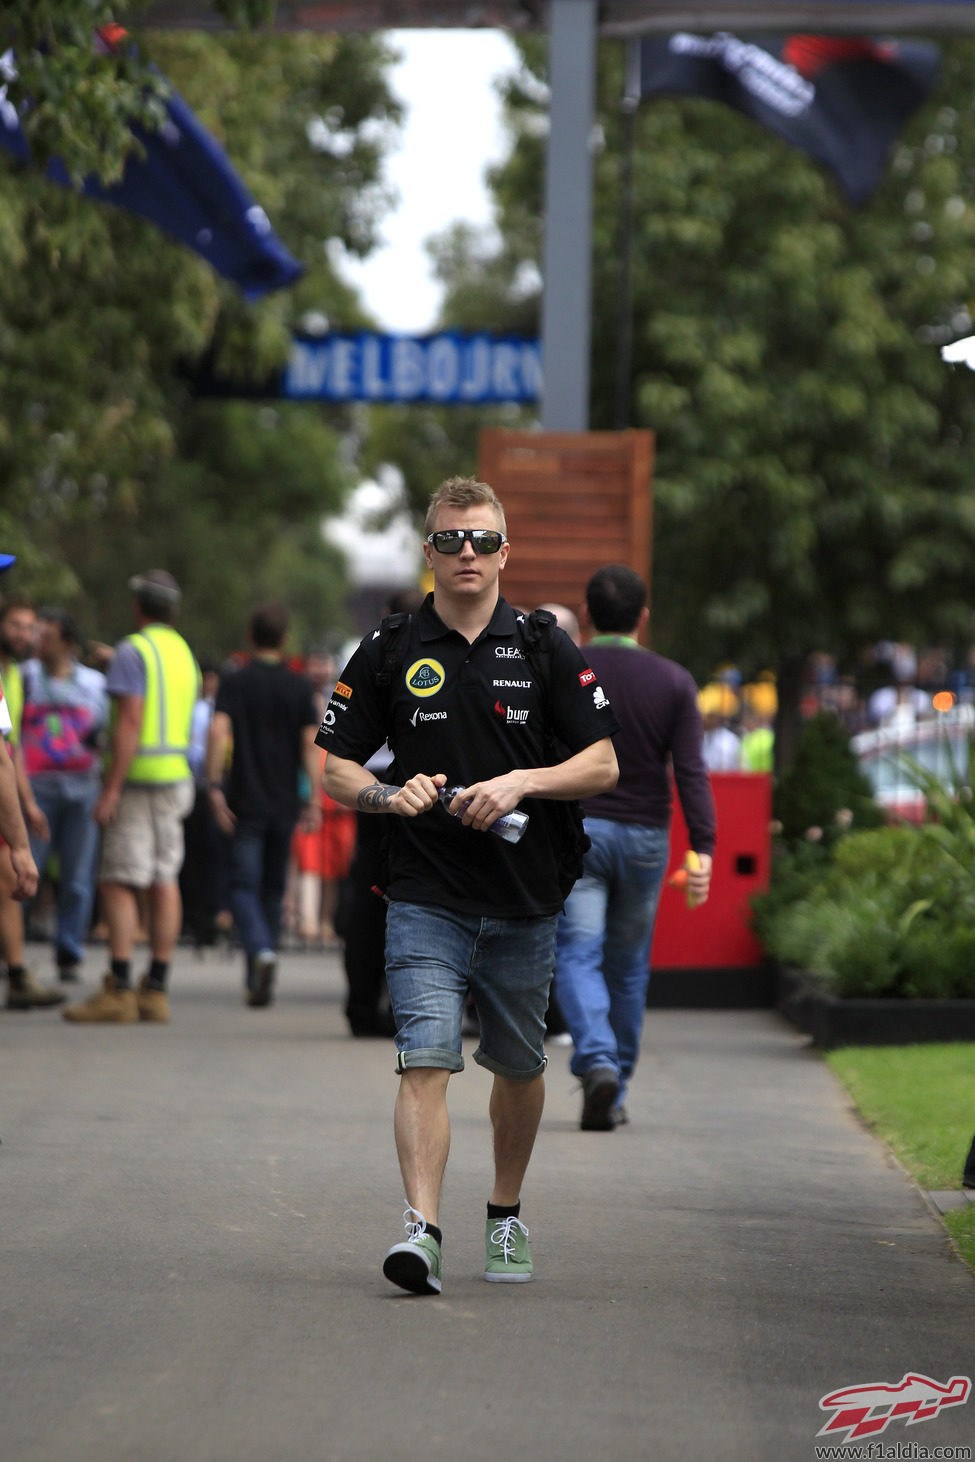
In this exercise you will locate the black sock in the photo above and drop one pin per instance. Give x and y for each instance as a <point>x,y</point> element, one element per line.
<point>15,975</point>
<point>158,974</point>
<point>501,1210</point>
<point>122,972</point>
<point>435,1233</point>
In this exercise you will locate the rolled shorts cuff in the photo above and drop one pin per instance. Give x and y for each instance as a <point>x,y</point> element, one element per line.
<point>437,1056</point>
<point>489,1064</point>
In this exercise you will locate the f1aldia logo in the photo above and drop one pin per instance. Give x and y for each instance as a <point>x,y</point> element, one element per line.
<point>866,1411</point>
<point>425,677</point>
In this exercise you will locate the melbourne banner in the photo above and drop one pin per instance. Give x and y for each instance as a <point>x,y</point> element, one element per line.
<point>843,100</point>
<point>450,368</point>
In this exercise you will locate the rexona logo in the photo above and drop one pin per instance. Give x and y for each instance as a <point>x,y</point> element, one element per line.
<point>425,677</point>
<point>419,715</point>
<point>510,714</point>
<point>866,1411</point>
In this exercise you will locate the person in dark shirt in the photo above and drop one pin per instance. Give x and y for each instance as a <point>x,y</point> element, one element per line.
<point>269,715</point>
<point>463,709</point>
<point>604,936</point>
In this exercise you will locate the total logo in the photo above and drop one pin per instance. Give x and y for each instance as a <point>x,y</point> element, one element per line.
<point>425,677</point>
<point>419,715</point>
<point>511,715</point>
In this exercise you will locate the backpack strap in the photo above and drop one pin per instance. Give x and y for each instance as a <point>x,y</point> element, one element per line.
<point>536,633</point>
<point>392,639</point>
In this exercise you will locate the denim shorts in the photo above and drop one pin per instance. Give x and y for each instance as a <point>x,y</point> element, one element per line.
<point>434,956</point>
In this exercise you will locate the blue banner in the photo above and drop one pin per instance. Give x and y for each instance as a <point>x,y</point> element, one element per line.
<point>450,367</point>
<point>185,184</point>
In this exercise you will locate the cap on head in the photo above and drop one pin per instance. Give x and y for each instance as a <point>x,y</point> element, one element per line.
<point>6,559</point>
<point>155,587</point>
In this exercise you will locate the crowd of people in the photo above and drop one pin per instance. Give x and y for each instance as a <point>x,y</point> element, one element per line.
<point>162,799</point>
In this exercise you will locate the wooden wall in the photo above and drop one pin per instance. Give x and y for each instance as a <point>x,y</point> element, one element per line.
<point>573,502</point>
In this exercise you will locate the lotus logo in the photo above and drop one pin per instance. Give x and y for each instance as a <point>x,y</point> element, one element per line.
<point>425,677</point>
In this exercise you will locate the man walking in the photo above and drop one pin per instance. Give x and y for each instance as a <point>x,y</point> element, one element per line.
<point>17,626</point>
<point>65,707</point>
<point>459,692</point>
<point>604,936</point>
<point>269,714</point>
<point>146,793</point>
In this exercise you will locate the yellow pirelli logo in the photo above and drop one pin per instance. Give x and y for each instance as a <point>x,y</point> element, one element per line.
<point>343,690</point>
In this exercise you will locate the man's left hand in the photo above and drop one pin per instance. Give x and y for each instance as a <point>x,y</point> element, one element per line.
<point>490,800</point>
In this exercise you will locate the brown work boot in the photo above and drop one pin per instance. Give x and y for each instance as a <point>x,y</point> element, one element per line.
<point>111,1006</point>
<point>153,1004</point>
<point>26,993</point>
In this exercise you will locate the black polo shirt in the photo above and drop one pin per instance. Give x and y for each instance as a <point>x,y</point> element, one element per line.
<point>473,712</point>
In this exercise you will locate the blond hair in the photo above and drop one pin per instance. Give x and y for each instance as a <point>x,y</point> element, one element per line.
<point>464,492</point>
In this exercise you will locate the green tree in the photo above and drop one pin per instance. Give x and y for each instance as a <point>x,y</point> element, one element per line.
<point>108,460</point>
<point>811,484</point>
<point>79,98</point>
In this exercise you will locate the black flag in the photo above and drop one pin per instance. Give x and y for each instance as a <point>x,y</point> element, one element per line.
<point>843,100</point>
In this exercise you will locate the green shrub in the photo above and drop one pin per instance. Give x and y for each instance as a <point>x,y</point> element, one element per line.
<point>824,780</point>
<point>890,913</point>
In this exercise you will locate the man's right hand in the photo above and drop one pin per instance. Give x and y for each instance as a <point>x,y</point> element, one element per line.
<point>25,874</point>
<point>418,795</point>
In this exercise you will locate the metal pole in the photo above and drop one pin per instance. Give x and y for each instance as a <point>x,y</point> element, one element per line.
<point>624,338</point>
<point>567,261</point>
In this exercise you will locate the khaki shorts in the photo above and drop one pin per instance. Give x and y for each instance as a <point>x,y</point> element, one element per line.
<point>143,845</point>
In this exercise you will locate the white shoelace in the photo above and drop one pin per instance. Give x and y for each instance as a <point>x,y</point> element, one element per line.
<point>504,1237</point>
<point>415,1227</point>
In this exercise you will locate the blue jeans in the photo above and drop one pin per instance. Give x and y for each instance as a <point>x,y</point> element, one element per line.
<point>258,874</point>
<point>602,966</point>
<point>67,799</point>
<point>434,956</point>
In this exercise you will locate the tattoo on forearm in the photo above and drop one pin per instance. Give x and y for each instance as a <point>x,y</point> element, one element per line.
<point>375,798</point>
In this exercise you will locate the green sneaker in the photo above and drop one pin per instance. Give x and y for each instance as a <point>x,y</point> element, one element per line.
<point>508,1259</point>
<point>417,1264</point>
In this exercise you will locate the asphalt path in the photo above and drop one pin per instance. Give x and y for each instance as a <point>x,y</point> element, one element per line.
<point>194,1219</point>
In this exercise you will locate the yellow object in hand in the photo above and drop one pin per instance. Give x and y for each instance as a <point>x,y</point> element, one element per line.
<point>692,863</point>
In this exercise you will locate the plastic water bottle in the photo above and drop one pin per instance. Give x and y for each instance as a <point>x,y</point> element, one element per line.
<point>510,825</point>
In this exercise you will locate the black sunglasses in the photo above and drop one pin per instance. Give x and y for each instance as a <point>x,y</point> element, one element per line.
<point>451,540</point>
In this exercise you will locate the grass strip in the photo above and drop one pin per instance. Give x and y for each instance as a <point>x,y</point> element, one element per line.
<point>921,1101</point>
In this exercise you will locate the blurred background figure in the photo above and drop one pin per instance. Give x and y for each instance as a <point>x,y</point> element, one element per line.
<point>759,702</point>
<point>17,631</point>
<point>719,705</point>
<point>147,790</point>
<point>362,912</point>
<point>322,857</point>
<point>204,879</point>
<point>269,715</point>
<point>566,619</point>
<point>65,710</point>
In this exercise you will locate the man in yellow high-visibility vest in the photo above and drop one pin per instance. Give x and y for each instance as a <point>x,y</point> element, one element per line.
<point>154,682</point>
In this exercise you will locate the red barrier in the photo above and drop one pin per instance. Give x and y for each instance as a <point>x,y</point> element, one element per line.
<point>717,935</point>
